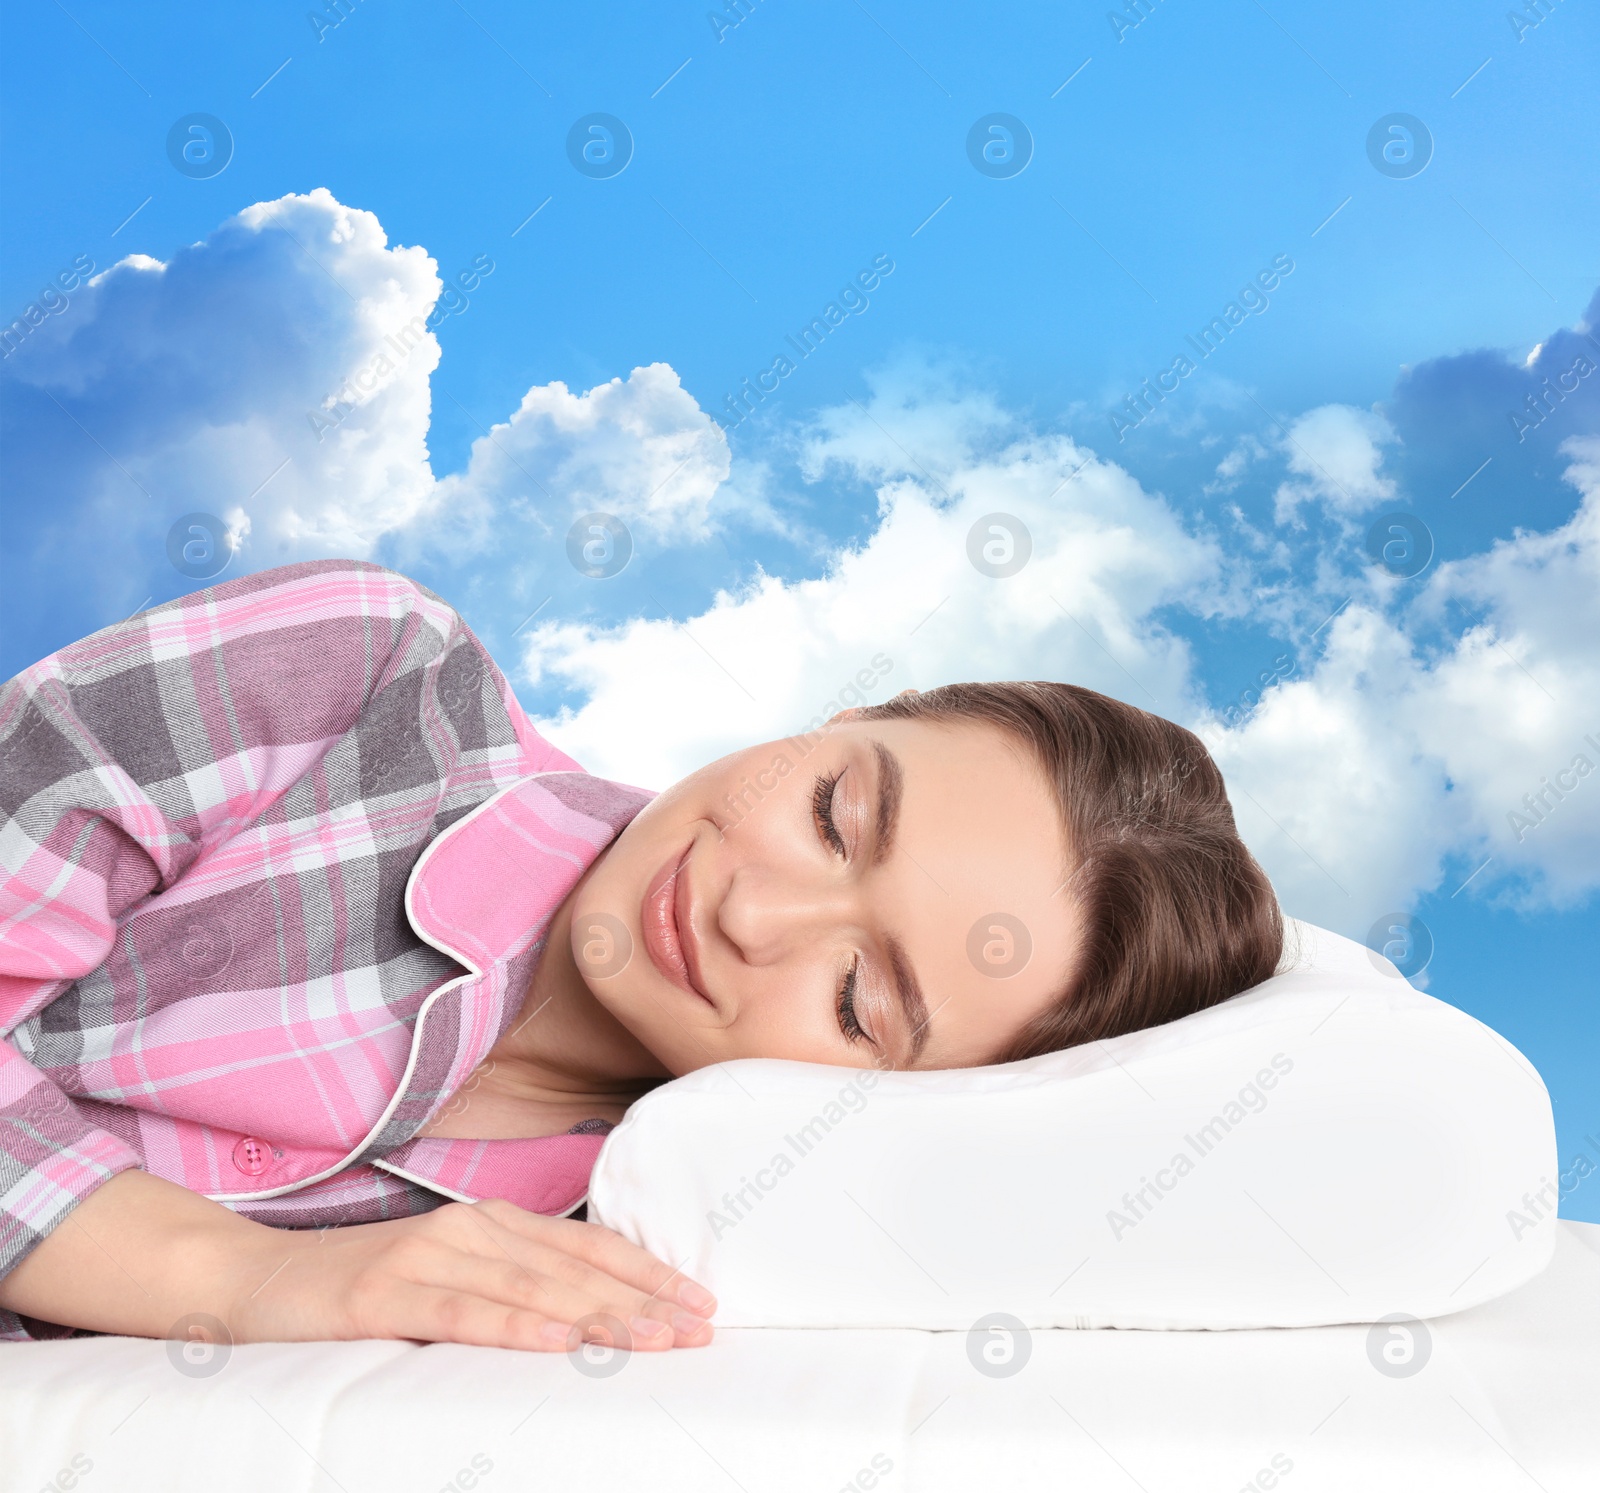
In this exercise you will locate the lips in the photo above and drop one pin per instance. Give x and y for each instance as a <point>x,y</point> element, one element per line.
<point>666,922</point>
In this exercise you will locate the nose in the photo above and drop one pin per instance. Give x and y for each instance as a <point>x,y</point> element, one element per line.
<point>768,914</point>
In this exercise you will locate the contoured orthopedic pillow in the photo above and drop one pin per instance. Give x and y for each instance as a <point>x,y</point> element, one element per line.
<point>1331,1146</point>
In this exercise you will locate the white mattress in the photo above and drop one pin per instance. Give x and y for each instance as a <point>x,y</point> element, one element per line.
<point>1509,1398</point>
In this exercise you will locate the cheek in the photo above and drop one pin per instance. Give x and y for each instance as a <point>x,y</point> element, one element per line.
<point>753,785</point>
<point>999,1016</point>
<point>617,881</point>
<point>646,1016</point>
<point>784,1014</point>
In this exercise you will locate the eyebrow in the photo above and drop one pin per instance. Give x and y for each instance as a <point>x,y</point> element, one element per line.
<point>912,1005</point>
<point>891,784</point>
<point>891,787</point>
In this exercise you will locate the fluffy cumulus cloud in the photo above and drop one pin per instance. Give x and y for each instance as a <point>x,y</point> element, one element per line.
<point>1414,754</point>
<point>279,374</point>
<point>1335,454</point>
<point>1515,703</point>
<point>639,448</point>
<point>1430,730</point>
<point>906,606</point>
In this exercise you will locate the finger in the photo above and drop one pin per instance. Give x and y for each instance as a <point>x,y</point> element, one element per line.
<point>663,1292</point>
<point>441,1314</point>
<point>573,1299</point>
<point>569,1289</point>
<point>608,1251</point>
<point>436,1314</point>
<point>501,1264</point>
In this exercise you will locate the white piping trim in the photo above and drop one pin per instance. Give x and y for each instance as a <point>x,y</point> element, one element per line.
<point>473,973</point>
<point>462,1197</point>
<point>426,1182</point>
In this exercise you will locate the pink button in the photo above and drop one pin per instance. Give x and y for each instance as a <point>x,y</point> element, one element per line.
<point>252,1156</point>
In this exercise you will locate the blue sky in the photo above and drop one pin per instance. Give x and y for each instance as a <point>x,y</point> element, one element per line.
<point>377,166</point>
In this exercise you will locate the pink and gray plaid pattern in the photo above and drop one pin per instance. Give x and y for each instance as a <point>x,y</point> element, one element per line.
<point>274,871</point>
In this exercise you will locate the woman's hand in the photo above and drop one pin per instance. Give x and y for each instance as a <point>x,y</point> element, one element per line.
<point>144,1257</point>
<point>485,1273</point>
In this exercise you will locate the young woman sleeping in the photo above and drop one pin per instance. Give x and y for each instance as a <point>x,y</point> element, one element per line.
<point>322,974</point>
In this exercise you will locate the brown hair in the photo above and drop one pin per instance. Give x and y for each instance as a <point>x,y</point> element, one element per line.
<point>1177,914</point>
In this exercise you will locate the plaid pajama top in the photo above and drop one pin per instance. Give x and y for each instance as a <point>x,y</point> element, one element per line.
<point>276,863</point>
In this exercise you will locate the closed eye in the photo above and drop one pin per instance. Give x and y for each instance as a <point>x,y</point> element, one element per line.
<point>822,812</point>
<point>848,1022</point>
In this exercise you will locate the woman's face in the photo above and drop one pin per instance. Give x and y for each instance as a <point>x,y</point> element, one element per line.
<point>880,893</point>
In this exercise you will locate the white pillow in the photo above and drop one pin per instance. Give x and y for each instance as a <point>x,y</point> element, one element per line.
<point>1331,1146</point>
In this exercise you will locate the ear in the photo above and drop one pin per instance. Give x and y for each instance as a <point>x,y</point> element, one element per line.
<point>844,715</point>
<point>905,692</point>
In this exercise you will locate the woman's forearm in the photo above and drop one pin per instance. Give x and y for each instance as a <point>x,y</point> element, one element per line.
<point>140,1255</point>
<point>136,1256</point>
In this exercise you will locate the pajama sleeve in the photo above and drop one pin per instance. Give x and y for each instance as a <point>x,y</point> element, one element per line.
<point>130,757</point>
<point>79,845</point>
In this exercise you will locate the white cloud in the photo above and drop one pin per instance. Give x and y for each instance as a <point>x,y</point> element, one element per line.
<point>1511,703</point>
<point>1386,764</point>
<point>639,448</point>
<point>919,419</point>
<point>765,662</point>
<point>1336,452</point>
<point>278,374</point>
<point>1389,761</point>
<point>197,377</point>
<point>1246,449</point>
<point>1381,766</point>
